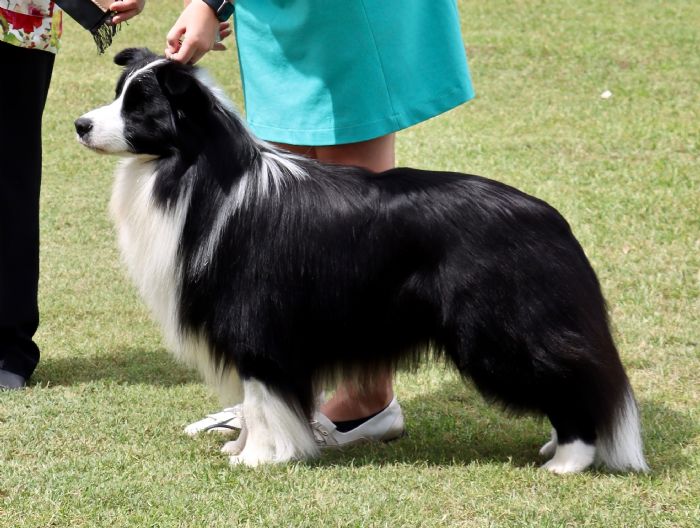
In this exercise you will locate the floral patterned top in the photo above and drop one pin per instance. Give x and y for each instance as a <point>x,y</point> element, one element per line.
<point>31,24</point>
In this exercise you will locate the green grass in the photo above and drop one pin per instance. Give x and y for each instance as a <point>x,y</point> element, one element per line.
<point>96,440</point>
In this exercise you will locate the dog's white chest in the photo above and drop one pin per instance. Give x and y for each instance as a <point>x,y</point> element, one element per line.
<point>149,237</point>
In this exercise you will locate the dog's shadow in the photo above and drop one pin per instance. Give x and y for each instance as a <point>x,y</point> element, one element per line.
<point>454,426</point>
<point>451,426</point>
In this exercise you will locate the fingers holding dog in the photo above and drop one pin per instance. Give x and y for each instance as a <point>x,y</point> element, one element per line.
<point>195,33</point>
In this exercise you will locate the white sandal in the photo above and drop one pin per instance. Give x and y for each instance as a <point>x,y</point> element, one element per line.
<point>226,421</point>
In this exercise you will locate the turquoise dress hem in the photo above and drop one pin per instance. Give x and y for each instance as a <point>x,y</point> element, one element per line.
<point>330,72</point>
<point>360,132</point>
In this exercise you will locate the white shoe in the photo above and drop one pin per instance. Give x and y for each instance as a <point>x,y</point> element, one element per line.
<point>383,427</point>
<point>225,421</point>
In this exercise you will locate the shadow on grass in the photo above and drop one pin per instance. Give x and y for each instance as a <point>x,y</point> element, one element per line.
<point>450,426</point>
<point>130,366</point>
<point>456,427</point>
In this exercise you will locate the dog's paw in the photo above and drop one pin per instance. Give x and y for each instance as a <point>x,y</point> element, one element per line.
<point>238,460</point>
<point>570,458</point>
<point>562,468</point>
<point>253,458</point>
<point>233,447</point>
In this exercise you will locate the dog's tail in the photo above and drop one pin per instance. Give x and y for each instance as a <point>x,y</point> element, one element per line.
<point>619,447</point>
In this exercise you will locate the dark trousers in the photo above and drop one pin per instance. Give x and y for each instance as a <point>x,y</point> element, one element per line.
<point>24,83</point>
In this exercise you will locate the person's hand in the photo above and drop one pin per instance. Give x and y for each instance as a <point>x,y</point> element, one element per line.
<point>224,31</point>
<point>126,9</point>
<point>195,33</point>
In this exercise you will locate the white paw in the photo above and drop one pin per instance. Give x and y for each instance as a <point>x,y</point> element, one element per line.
<point>254,457</point>
<point>573,457</point>
<point>562,468</point>
<point>238,460</point>
<point>234,447</point>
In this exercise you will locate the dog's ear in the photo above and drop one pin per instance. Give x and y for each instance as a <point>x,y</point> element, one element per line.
<point>175,80</point>
<point>201,123</point>
<point>131,55</point>
<point>182,89</point>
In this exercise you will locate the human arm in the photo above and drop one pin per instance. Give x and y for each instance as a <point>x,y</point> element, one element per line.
<point>195,33</point>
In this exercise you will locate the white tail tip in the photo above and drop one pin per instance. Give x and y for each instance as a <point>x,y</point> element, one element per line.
<point>622,448</point>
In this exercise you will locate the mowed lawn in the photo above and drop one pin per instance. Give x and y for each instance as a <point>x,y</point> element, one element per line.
<point>97,438</point>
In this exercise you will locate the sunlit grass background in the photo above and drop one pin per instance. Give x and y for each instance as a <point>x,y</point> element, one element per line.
<point>96,440</point>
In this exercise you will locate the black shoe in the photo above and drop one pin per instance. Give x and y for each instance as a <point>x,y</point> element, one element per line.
<point>11,381</point>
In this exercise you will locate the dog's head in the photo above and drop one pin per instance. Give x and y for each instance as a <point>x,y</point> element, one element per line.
<point>160,106</point>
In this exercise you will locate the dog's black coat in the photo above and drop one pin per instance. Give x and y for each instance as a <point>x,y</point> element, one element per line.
<point>345,270</point>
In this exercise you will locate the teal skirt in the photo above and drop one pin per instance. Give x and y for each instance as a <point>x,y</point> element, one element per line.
<point>329,72</point>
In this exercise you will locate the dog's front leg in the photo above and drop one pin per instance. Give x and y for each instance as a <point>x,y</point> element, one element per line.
<point>277,432</point>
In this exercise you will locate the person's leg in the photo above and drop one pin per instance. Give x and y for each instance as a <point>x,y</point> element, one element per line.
<point>309,152</point>
<point>376,154</point>
<point>23,97</point>
<point>350,402</point>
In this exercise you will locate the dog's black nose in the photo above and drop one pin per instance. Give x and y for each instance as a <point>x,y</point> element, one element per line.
<point>83,125</point>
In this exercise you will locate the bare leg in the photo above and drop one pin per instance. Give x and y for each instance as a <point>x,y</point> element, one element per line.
<point>309,152</point>
<point>350,402</point>
<point>376,154</point>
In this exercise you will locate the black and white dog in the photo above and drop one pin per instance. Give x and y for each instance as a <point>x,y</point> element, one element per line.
<point>273,274</point>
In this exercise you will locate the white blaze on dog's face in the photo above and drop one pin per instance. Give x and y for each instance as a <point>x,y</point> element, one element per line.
<point>103,129</point>
<point>163,109</point>
<point>138,120</point>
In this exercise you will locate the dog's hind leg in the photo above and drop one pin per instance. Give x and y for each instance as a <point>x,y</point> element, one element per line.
<point>277,429</point>
<point>505,370</point>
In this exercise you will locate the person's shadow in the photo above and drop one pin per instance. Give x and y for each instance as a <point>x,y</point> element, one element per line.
<point>126,366</point>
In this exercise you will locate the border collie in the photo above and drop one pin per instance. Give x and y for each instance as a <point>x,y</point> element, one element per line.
<point>273,274</point>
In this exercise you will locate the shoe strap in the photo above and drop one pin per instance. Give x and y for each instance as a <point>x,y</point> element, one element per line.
<point>227,414</point>
<point>322,428</point>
